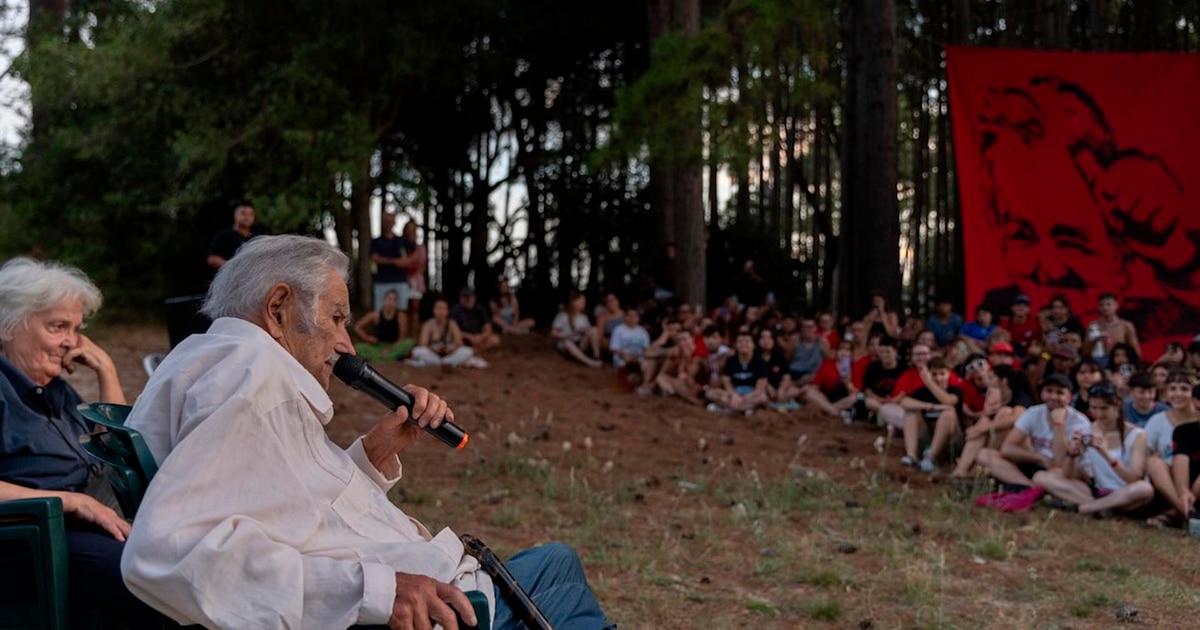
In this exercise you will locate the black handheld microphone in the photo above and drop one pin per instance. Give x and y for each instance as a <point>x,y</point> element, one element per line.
<point>358,374</point>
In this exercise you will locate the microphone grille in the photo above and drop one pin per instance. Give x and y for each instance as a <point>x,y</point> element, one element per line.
<point>349,368</point>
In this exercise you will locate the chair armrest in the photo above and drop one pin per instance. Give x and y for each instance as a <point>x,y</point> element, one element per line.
<point>42,509</point>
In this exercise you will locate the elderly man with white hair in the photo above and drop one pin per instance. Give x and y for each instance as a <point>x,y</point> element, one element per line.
<point>43,306</point>
<point>256,519</point>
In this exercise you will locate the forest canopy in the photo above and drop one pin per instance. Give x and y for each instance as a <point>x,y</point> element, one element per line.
<point>561,143</point>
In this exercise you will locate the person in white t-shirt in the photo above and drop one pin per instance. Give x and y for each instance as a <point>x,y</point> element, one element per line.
<point>575,334</point>
<point>1040,440</point>
<point>1109,471</point>
<point>629,340</point>
<point>1160,429</point>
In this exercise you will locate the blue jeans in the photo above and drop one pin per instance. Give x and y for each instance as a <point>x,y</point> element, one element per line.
<point>553,578</point>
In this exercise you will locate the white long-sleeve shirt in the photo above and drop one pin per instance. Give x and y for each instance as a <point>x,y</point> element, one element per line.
<point>256,519</point>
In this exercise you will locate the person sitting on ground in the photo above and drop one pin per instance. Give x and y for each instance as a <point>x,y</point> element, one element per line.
<point>608,315</point>
<point>1038,441</point>
<point>879,379</point>
<point>43,306</point>
<point>835,388</point>
<point>660,351</point>
<point>1002,353</point>
<point>473,320</point>
<point>1160,371</point>
<point>256,519</point>
<point>1072,341</point>
<point>684,374</point>
<point>1122,354</point>
<point>926,338</point>
<point>891,412</point>
<point>689,317</point>
<point>808,352</point>
<point>629,342</point>
<point>380,332</point>
<point>936,404</point>
<point>1062,318</point>
<point>1173,354</point>
<point>978,333</point>
<point>859,340</point>
<point>827,330</point>
<point>880,317</point>
<point>743,384</point>
<point>1103,472</point>
<point>1062,361</point>
<point>975,385</point>
<point>913,326</point>
<point>506,311</point>
<point>1013,396</point>
<point>780,390</point>
<point>1023,331</point>
<point>1034,367</point>
<point>575,335</point>
<point>441,341</point>
<point>1193,356</point>
<point>1111,329</point>
<point>1160,430</point>
<point>1185,465</point>
<point>1085,374</point>
<point>944,323</point>
<point>1142,402</point>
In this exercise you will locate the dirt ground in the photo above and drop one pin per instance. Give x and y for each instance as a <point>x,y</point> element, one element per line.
<point>686,518</point>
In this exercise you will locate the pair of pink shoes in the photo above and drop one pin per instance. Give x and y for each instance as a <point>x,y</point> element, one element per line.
<point>1011,501</point>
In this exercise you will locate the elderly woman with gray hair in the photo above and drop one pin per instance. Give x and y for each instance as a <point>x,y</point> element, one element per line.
<point>43,306</point>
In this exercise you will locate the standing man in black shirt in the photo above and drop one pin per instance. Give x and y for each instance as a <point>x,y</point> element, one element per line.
<point>226,242</point>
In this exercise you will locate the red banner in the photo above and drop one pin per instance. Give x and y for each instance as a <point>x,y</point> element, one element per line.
<point>1078,176</point>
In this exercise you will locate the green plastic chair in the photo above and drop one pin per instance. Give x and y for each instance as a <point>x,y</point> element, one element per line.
<point>128,462</point>
<point>38,524</point>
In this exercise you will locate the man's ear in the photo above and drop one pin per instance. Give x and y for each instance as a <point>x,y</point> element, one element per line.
<point>275,309</point>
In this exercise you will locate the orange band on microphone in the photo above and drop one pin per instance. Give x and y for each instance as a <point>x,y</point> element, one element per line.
<point>466,436</point>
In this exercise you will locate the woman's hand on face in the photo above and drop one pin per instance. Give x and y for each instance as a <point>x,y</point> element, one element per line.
<point>87,353</point>
<point>86,508</point>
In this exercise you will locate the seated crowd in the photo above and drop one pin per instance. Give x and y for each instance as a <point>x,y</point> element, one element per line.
<point>1045,406</point>
<point>1039,402</point>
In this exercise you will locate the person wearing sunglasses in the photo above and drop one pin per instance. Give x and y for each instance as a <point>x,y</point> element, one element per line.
<point>1105,471</point>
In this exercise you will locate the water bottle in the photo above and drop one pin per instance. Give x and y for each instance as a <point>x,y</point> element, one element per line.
<point>844,367</point>
<point>1098,350</point>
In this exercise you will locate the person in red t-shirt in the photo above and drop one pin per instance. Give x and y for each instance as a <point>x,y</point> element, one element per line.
<point>836,384</point>
<point>1022,329</point>
<point>826,329</point>
<point>909,382</point>
<point>976,370</point>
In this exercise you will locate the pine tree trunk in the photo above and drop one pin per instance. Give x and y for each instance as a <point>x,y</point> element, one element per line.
<point>361,191</point>
<point>873,262</point>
